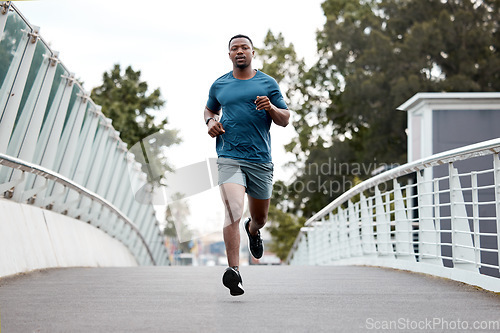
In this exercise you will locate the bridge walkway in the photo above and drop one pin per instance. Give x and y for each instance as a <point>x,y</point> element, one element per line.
<point>276,299</point>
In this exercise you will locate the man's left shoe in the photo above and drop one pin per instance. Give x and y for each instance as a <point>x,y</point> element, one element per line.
<point>254,242</point>
<point>232,280</point>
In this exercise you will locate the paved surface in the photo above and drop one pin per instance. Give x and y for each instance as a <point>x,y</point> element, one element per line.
<point>276,299</point>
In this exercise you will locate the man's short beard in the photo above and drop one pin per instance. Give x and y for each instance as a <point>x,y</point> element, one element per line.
<point>242,66</point>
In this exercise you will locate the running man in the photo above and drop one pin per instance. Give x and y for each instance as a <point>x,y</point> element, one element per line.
<point>250,101</point>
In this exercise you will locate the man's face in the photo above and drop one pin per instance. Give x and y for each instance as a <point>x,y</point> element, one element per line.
<point>241,52</point>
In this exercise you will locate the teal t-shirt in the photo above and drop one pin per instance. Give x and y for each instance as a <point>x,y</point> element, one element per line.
<point>246,134</point>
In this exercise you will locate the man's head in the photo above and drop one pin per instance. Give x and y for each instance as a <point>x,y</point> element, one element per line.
<point>240,36</point>
<point>241,51</point>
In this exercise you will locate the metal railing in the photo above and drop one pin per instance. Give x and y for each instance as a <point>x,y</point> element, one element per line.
<point>69,185</point>
<point>439,215</point>
<point>59,152</point>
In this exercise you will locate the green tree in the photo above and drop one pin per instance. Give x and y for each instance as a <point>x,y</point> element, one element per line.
<point>284,228</point>
<point>384,52</point>
<point>281,62</point>
<point>374,55</point>
<point>127,101</point>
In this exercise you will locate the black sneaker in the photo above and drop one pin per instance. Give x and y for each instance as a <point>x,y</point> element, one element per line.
<point>254,242</point>
<point>232,280</point>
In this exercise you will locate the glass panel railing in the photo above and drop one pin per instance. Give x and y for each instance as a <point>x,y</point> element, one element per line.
<point>48,122</point>
<point>12,45</point>
<point>47,130</point>
<point>56,91</point>
<point>38,68</point>
<point>67,131</point>
<point>36,77</point>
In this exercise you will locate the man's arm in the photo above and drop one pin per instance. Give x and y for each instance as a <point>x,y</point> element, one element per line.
<point>211,119</point>
<point>280,116</point>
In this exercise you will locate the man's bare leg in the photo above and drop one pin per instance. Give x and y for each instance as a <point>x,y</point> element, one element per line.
<point>258,212</point>
<point>233,196</point>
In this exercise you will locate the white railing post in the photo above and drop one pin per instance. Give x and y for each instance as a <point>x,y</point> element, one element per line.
<point>437,214</point>
<point>111,185</point>
<point>110,168</point>
<point>27,129</point>
<point>123,192</point>
<point>343,236</point>
<point>404,242</point>
<point>368,238</point>
<point>354,239</point>
<point>54,124</point>
<point>428,248</point>
<point>325,241</point>
<point>4,13</point>
<point>102,154</point>
<point>334,238</point>
<point>306,248</point>
<point>27,148</point>
<point>475,217</point>
<point>320,245</point>
<point>307,252</point>
<point>310,259</point>
<point>496,175</point>
<point>68,143</point>
<point>82,159</point>
<point>315,238</point>
<point>383,227</point>
<point>137,177</point>
<point>66,164</point>
<point>461,238</point>
<point>301,255</point>
<point>46,154</point>
<point>14,99</point>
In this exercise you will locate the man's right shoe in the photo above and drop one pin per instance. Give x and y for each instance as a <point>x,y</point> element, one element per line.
<point>232,280</point>
<point>254,242</point>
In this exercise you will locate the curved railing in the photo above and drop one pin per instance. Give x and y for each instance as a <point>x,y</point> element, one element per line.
<point>24,167</point>
<point>439,215</point>
<point>59,152</point>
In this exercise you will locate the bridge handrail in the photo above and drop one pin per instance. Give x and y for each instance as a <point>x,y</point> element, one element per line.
<point>443,219</point>
<point>49,120</point>
<point>38,170</point>
<point>462,153</point>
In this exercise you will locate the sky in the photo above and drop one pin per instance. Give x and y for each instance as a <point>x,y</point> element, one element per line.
<point>179,47</point>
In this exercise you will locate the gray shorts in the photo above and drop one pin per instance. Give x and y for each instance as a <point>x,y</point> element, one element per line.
<point>257,178</point>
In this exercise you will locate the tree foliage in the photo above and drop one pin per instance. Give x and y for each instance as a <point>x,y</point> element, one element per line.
<point>126,100</point>
<point>284,228</point>
<point>281,62</point>
<point>373,55</point>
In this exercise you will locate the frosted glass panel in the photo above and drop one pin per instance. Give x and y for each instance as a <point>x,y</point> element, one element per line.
<point>14,40</point>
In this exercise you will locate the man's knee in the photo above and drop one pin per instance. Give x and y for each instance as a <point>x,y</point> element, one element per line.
<point>234,211</point>
<point>259,220</point>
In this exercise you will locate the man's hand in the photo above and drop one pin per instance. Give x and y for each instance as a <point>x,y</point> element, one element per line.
<point>279,116</point>
<point>215,128</point>
<point>263,103</point>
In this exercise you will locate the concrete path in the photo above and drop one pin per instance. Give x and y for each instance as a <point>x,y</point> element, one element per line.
<point>276,299</point>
